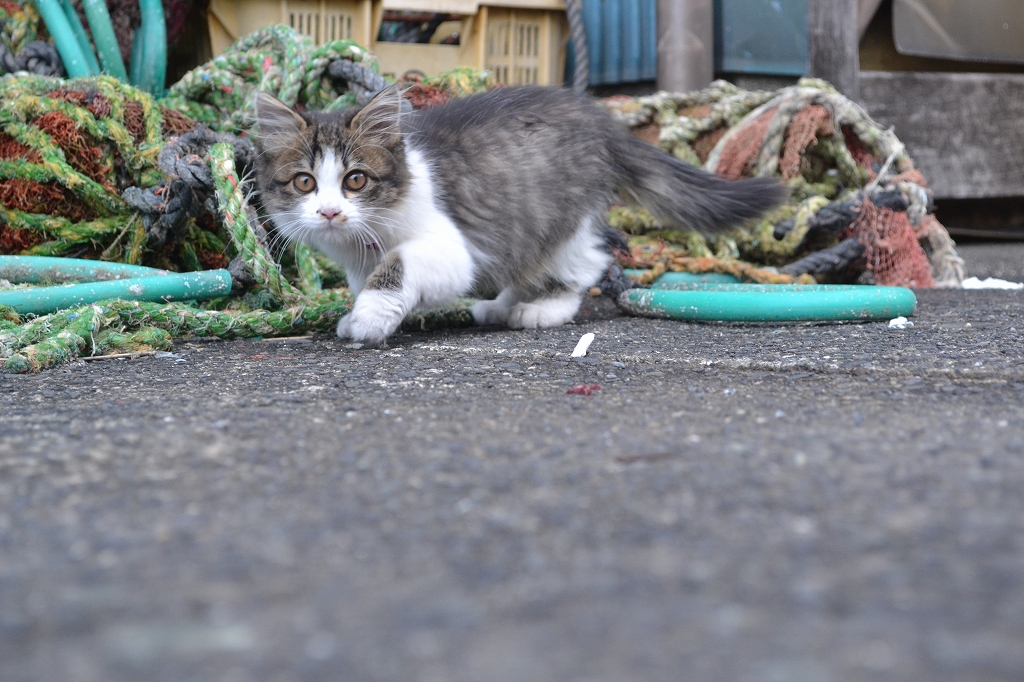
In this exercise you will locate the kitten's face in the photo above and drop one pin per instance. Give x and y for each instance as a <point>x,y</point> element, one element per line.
<point>331,178</point>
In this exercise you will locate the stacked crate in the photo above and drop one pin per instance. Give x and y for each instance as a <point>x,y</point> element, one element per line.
<point>520,41</point>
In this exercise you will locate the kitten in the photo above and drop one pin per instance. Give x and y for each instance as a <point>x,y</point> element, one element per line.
<point>504,191</point>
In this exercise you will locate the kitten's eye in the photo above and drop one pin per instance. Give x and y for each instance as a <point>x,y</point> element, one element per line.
<point>355,181</point>
<point>304,183</point>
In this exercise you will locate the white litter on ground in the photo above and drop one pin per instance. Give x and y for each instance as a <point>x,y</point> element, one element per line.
<point>581,348</point>
<point>900,323</point>
<point>990,283</point>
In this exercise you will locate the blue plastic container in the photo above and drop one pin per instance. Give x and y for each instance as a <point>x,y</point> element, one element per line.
<point>622,41</point>
<point>761,36</point>
<point>751,36</point>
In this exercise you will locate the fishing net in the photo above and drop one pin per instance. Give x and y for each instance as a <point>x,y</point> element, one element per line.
<point>859,210</point>
<point>93,168</point>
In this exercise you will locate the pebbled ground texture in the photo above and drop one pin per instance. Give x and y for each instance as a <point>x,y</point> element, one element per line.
<point>749,503</point>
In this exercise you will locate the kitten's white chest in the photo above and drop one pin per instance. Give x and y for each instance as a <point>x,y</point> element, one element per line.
<point>419,228</point>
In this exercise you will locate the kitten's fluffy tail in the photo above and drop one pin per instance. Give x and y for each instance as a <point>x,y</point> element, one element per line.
<point>684,196</point>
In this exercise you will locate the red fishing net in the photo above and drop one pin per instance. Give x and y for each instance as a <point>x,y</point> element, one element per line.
<point>741,150</point>
<point>804,130</point>
<point>894,254</point>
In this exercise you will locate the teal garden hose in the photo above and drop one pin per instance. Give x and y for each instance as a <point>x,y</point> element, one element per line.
<point>149,51</point>
<point>103,33</point>
<point>64,38</point>
<point>142,284</point>
<point>689,277</point>
<point>47,270</point>
<point>81,35</point>
<point>767,302</point>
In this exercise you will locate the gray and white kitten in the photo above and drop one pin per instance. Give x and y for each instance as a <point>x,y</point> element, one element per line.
<point>504,191</point>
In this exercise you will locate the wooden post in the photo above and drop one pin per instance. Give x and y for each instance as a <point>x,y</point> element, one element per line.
<point>833,45</point>
<point>686,44</point>
<point>866,11</point>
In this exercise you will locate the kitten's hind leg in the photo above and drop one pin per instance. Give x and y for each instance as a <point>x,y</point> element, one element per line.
<point>549,311</point>
<point>496,311</point>
<point>575,266</point>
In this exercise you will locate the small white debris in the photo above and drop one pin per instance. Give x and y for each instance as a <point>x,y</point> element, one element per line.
<point>581,348</point>
<point>354,346</point>
<point>170,356</point>
<point>990,283</point>
<point>900,323</point>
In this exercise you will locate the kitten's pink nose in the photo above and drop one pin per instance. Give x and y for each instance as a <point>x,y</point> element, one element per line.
<point>329,212</point>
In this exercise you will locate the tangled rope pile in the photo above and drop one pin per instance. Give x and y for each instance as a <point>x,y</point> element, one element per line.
<point>97,169</point>
<point>859,208</point>
<point>20,46</point>
<point>279,61</point>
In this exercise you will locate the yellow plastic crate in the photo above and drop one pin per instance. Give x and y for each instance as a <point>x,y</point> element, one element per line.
<point>520,41</point>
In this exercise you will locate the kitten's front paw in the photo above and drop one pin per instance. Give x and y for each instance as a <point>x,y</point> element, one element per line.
<point>373,319</point>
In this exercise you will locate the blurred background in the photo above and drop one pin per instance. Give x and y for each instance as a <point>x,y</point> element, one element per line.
<point>947,75</point>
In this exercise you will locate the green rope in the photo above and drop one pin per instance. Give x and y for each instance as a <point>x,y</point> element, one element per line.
<point>19,28</point>
<point>237,218</point>
<point>275,59</point>
<point>310,273</point>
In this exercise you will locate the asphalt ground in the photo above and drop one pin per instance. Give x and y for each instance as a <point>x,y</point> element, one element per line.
<point>750,503</point>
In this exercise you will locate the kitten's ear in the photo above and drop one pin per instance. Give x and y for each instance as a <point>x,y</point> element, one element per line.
<point>380,117</point>
<point>274,117</point>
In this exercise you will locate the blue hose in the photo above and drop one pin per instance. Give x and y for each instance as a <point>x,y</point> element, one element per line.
<point>103,34</point>
<point>185,286</point>
<point>47,270</point>
<point>100,280</point>
<point>75,62</point>
<point>690,277</point>
<point>81,35</point>
<point>768,302</point>
<point>151,49</point>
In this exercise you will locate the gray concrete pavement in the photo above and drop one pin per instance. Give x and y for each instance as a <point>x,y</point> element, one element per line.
<point>751,503</point>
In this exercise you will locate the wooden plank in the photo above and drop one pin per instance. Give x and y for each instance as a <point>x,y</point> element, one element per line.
<point>832,43</point>
<point>866,10</point>
<point>965,131</point>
